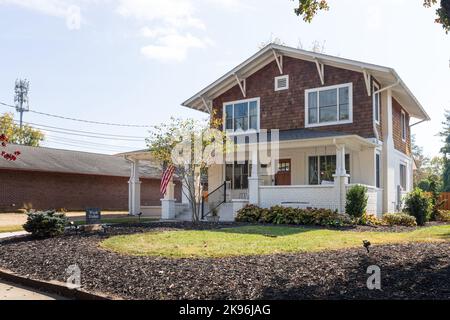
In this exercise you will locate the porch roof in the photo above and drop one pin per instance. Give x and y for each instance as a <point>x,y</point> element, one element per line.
<point>313,137</point>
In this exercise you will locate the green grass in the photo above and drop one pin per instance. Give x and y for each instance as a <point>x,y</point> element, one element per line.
<point>259,240</point>
<point>10,228</point>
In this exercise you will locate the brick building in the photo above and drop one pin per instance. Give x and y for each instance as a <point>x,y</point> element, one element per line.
<point>44,178</point>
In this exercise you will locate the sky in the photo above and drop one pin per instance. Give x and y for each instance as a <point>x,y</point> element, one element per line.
<point>136,61</point>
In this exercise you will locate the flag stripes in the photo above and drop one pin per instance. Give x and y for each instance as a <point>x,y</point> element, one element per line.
<point>167,176</point>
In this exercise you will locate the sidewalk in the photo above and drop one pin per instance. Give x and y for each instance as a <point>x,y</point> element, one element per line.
<point>9,291</point>
<point>4,235</point>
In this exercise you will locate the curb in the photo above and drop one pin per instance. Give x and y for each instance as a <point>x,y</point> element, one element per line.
<point>54,287</point>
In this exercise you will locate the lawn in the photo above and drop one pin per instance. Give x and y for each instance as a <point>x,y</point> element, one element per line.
<point>259,240</point>
<point>11,228</point>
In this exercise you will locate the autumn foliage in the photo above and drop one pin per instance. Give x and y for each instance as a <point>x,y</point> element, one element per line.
<point>6,155</point>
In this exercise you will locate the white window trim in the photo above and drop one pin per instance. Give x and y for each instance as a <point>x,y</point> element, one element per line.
<point>258,116</point>
<point>378,153</point>
<point>403,128</point>
<point>323,154</point>
<point>375,88</point>
<point>276,83</point>
<point>403,163</point>
<point>350,106</point>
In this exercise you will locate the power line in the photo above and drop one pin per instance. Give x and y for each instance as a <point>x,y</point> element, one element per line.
<point>65,139</point>
<point>83,120</point>
<point>87,132</point>
<point>90,136</point>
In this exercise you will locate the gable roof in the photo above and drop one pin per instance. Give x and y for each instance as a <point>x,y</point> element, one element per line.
<point>69,161</point>
<point>385,75</point>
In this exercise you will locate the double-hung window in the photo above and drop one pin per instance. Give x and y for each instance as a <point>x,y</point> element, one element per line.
<point>403,125</point>
<point>322,168</point>
<point>376,103</point>
<point>403,176</point>
<point>241,115</point>
<point>237,174</point>
<point>329,105</point>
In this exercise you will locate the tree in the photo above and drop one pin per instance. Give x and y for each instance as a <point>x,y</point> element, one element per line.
<point>4,154</point>
<point>445,150</point>
<point>420,160</point>
<point>191,147</point>
<point>28,135</point>
<point>309,8</point>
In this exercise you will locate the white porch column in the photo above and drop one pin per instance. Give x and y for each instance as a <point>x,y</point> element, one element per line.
<point>340,178</point>
<point>388,166</point>
<point>168,202</point>
<point>134,190</point>
<point>254,180</point>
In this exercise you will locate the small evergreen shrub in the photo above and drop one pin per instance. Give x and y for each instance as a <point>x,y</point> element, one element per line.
<point>418,204</point>
<point>250,213</point>
<point>44,224</point>
<point>356,203</point>
<point>399,219</point>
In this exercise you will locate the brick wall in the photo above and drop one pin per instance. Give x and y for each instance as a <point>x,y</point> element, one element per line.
<point>399,144</point>
<point>45,190</point>
<point>286,109</point>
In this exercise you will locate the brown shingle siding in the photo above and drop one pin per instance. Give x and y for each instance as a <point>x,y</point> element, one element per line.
<point>286,109</point>
<point>399,144</point>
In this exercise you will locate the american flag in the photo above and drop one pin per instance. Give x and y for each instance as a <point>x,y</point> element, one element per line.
<point>167,176</point>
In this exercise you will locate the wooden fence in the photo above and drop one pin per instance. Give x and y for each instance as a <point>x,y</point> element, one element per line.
<point>446,197</point>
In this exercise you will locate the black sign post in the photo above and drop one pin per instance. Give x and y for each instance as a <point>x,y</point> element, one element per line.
<point>93,216</point>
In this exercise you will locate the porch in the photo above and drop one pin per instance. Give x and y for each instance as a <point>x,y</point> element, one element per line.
<point>313,172</point>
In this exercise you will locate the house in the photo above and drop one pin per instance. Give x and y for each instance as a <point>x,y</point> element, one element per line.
<point>340,122</point>
<point>45,178</point>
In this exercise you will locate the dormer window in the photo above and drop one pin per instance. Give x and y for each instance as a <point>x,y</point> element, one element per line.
<point>242,115</point>
<point>281,83</point>
<point>329,105</point>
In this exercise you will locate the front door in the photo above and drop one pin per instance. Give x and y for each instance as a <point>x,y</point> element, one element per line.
<point>283,176</point>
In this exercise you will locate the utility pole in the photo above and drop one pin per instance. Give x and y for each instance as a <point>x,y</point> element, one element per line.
<point>21,98</point>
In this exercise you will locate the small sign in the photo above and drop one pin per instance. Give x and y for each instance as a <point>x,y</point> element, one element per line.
<point>93,216</point>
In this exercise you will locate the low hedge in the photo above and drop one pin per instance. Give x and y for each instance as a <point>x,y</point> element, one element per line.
<point>399,219</point>
<point>295,216</point>
<point>443,216</point>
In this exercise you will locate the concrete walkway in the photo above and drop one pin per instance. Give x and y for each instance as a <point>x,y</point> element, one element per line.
<point>4,235</point>
<point>10,291</point>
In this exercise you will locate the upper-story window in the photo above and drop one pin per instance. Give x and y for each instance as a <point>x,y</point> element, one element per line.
<point>403,125</point>
<point>241,115</point>
<point>329,105</point>
<point>376,103</point>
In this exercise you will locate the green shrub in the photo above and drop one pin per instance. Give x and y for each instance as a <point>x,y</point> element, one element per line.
<point>250,213</point>
<point>418,204</point>
<point>369,220</point>
<point>443,216</point>
<point>45,223</point>
<point>356,203</point>
<point>399,219</point>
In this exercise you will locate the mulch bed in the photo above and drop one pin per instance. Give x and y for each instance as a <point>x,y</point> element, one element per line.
<point>408,271</point>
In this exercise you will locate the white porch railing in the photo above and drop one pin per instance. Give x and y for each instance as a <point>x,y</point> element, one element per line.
<point>321,196</point>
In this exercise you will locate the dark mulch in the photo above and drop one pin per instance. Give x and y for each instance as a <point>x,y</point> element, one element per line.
<point>408,271</point>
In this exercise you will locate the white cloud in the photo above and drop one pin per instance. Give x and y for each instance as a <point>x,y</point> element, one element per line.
<point>57,8</point>
<point>374,18</point>
<point>169,26</point>
<point>178,13</point>
<point>174,47</point>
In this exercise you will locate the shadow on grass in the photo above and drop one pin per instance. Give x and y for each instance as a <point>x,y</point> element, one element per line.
<point>268,230</point>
